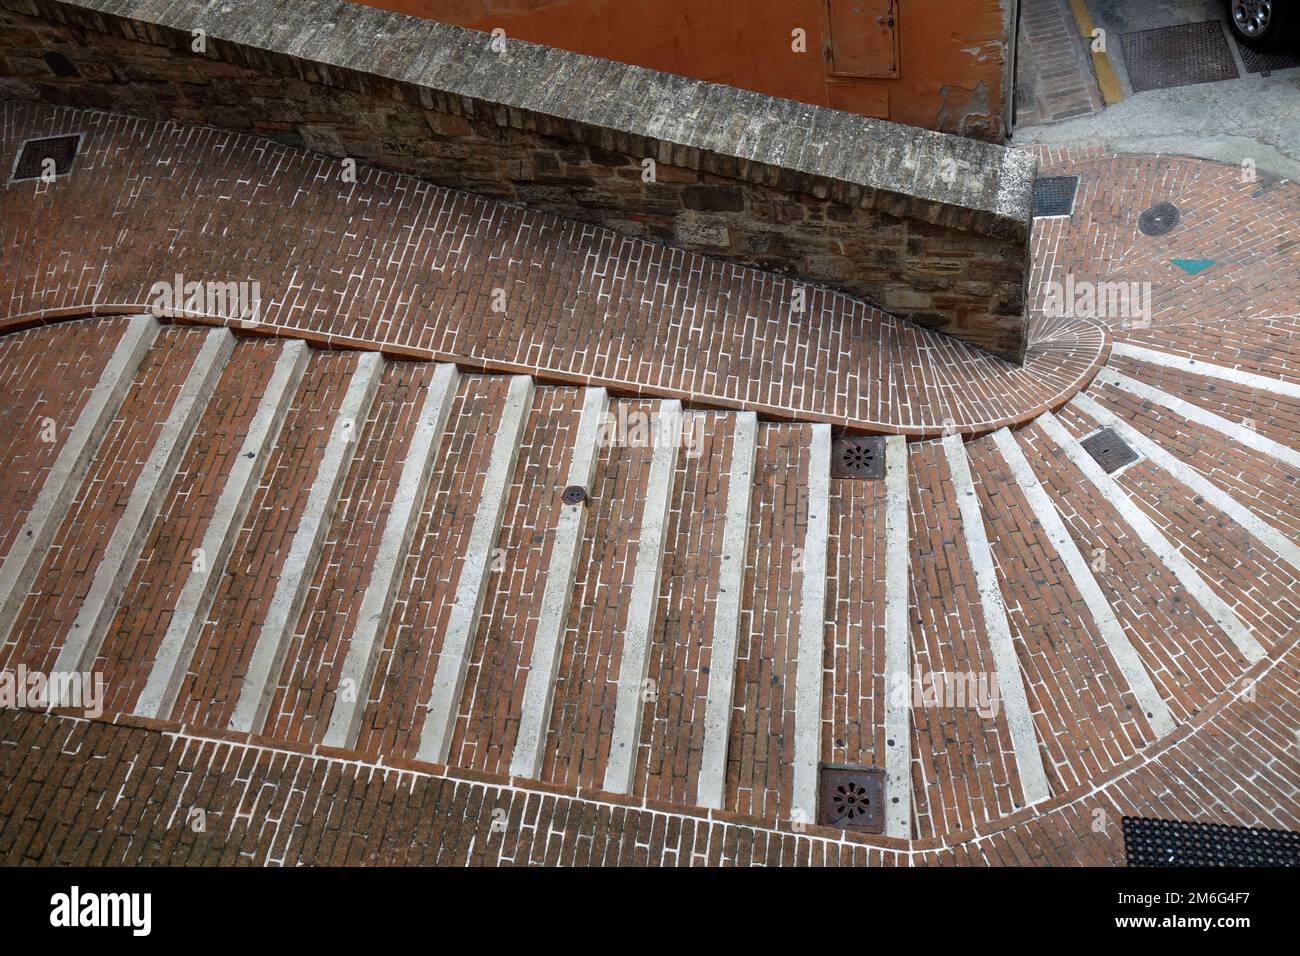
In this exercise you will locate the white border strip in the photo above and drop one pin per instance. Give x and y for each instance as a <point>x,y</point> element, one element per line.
<point>812,629</point>
<point>30,545</point>
<point>299,565</point>
<point>898,642</point>
<point>557,594</point>
<point>1150,536</point>
<point>1121,648</point>
<point>1015,702</point>
<point>176,651</point>
<point>453,659</point>
<point>643,605</point>
<point>358,666</point>
<point>1197,367</point>
<point>82,643</point>
<point>711,784</point>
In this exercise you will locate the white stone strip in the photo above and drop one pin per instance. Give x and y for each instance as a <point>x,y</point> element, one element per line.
<point>300,562</point>
<point>1121,648</point>
<point>726,614</point>
<point>172,660</point>
<point>557,593</point>
<point>634,659</point>
<point>1183,363</point>
<point>444,698</point>
<point>82,643</point>
<point>1151,537</point>
<point>812,626</point>
<point>1185,472</point>
<point>385,578</point>
<point>26,554</point>
<point>898,642</point>
<point>1015,704</point>
<point>1194,413</point>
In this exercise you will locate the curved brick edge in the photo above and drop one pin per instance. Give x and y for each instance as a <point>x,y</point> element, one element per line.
<point>901,851</point>
<point>431,77</point>
<point>693,400</point>
<point>1205,720</point>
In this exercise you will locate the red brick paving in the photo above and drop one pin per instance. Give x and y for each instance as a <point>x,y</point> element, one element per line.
<point>304,695</point>
<point>407,663</point>
<point>65,576</point>
<point>853,708</point>
<point>391,261</point>
<point>211,687</point>
<point>761,750</point>
<point>280,807</point>
<point>488,718</point>
<point>586,684</point>
<point>137,629</point>
<point>962,762</point>
<point>672,723</point>
<point>43,379</point>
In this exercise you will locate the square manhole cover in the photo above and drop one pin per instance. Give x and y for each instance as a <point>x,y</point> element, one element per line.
<point>1179,55</point>
<point>34,154</point>
<point>852,798</point>
<point>1259,61</point>
<point>1179,843</point>
<point>1109,450</point>
<point>858,457</point>
<point>1054,196</point>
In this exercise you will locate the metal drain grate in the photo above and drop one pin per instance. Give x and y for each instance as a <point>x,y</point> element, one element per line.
<point>1109,450</point>
<point>1180,55</point>
<point>1260,61</point>
<point>1054,196</point>
<point>857,457</point>
<point>1178,843</point>
<point>852,798</point>
<point>1158,219</point>
<point>34,153</point>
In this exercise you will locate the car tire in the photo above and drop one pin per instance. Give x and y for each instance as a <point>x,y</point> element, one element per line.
<point>1263,24</point>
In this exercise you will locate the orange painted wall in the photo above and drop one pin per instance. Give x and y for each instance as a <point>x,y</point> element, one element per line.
<point>952,54</point>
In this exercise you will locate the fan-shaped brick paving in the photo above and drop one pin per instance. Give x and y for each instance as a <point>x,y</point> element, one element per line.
<point>342,607</point>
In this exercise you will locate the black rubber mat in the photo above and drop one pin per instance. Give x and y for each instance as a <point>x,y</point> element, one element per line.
<point>1178,843</point>
<point>1179,55</point>
<point>1054,195</point>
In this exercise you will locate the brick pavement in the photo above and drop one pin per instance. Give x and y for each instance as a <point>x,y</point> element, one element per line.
<point>104,790</point>
<point>391,261</point>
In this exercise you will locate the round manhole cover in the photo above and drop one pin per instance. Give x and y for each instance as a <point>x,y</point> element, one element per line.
<point>574,495</point>
<point>1159,219</point>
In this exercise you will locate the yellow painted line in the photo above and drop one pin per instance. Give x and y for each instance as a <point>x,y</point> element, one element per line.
<point>1107,79</point>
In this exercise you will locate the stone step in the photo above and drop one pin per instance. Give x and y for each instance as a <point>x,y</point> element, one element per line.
<point>158,625</point>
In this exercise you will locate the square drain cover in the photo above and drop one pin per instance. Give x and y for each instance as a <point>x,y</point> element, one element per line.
<point>1054,195</point>
<point>858,457</point>
<point>1109,450</point>
<point>1180,55</point>
<point>852,798</point>
<point>34,153</point>
<point>1260,61</point>
<point>1178,843</point>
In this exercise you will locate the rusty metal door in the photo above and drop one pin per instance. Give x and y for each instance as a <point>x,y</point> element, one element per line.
<point>863,37</point>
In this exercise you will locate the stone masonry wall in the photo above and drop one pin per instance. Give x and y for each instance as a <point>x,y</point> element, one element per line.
<point>928,226</point>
